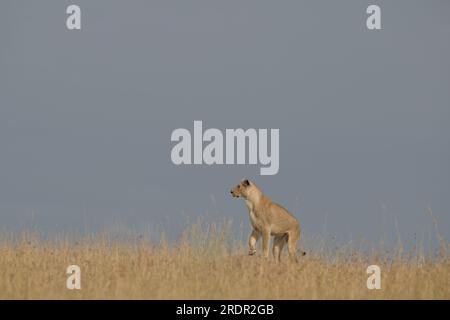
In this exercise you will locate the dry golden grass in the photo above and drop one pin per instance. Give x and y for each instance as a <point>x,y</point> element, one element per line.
<point>204,264</point>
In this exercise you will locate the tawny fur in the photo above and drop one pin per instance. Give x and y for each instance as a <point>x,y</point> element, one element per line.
<point>268,219</point>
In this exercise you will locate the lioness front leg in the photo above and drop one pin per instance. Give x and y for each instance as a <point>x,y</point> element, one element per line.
<point>252,241</point>
<point>266,240</point>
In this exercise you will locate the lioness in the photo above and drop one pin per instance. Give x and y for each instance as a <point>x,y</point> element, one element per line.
<point>268,218</point>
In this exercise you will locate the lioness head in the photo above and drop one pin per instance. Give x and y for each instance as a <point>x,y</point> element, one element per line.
<point>242,189</point>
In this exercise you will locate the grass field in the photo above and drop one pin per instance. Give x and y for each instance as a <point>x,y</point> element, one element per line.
<point>206,263</point>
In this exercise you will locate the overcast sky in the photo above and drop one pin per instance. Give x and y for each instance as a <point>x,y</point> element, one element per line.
<point>364,116</point>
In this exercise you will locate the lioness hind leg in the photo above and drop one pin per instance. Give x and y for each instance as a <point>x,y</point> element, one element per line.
<point>293,237</point>
<point>278,244</point>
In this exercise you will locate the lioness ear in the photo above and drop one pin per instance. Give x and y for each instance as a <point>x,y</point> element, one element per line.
<point>246,182</point>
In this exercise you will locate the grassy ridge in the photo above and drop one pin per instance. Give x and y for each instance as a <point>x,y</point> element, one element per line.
<point>207,264</point>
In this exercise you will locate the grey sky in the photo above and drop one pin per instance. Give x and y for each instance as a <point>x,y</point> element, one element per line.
<point>86,116</point>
